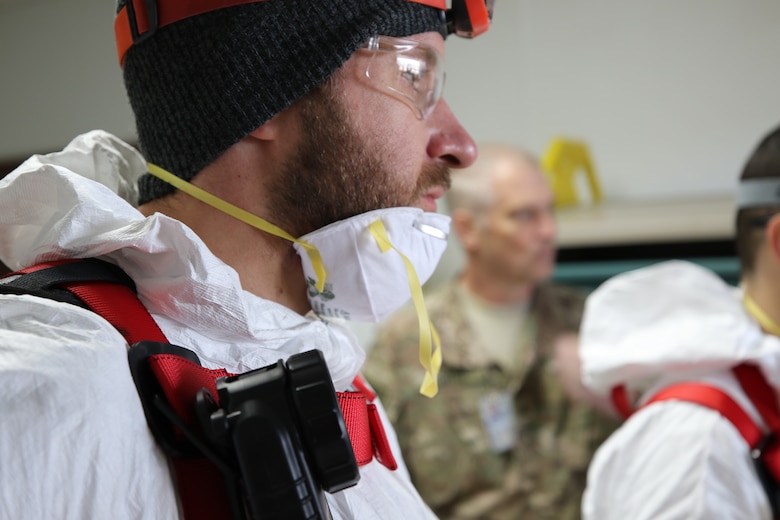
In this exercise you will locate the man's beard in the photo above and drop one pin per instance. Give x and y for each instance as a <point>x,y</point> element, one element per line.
<point>334,176</point>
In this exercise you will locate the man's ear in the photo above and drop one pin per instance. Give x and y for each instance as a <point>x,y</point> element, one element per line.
<point>772,237</point>
<point>269,130</point>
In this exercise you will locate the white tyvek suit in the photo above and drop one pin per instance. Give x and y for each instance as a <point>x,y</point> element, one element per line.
<point>73,438</point>
<point>673,460</point>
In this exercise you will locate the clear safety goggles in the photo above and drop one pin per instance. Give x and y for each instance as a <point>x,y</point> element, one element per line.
<point>410,71</point>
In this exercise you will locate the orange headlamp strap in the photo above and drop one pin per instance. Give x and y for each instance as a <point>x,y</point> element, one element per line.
<point>139,19</point>
<point>438,4</point>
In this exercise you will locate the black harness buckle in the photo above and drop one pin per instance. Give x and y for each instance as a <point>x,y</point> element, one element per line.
<point>768,482</point>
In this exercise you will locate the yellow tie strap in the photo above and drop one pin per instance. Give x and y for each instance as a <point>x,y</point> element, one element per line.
<point>242,215</point>
<point>430,348</point>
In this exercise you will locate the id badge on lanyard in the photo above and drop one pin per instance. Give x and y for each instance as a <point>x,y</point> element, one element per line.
<point>497,412</point>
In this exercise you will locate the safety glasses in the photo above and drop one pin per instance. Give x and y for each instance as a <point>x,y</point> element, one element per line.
<point>410,71</point>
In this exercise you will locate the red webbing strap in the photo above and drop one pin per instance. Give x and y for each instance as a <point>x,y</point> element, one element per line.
<point>365,429</point>
<point>363,388</point>
<point>116,303</point>
<point>181,379</point>
<point>620,399</point>
<point>715,399</point>
<point>355,412</point>
<point>382,450</point>
<point>380,446</point>
<point>764,398</point>
<point>120,306</point>
<point>200,483</point>
<point>760,393</point>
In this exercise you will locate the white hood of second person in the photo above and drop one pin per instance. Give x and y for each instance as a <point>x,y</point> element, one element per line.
<point>670,321</point>
<point>80,203</point>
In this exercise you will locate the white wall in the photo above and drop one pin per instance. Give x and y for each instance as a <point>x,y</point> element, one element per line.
<point>670,94</point>
<point>59,75</point>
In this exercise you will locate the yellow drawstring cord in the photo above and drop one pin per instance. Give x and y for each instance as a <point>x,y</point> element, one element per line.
<point>430,348</point>
<point>242,215</point>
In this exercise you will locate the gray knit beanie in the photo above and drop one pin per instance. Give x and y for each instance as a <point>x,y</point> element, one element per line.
<point>200,85</point>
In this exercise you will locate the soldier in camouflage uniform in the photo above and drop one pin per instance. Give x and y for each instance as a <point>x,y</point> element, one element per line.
<point>503,439</point>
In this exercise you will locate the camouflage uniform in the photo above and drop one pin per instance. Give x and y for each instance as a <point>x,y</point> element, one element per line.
<point>443,439</point>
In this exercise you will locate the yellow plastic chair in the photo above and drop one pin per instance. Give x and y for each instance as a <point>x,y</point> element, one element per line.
<point>562,161</point>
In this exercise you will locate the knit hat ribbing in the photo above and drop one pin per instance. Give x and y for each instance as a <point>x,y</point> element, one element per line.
<point>200,85</point>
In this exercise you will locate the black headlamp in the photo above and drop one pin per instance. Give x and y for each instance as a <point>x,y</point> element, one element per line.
<point>469,18</point>
<point>466,18</point>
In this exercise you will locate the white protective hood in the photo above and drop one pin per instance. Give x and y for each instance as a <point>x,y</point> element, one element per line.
<point>52,209</point>
<point>669,321</point>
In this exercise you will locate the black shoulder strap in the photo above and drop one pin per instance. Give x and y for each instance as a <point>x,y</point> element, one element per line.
<point>47,280</point>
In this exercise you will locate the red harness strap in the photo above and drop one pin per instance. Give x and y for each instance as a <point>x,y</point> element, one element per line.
<point>755,386</point>
<point>753,383</point>
<point>764,398</point>
<point>199,481</point>
<point>181,379</point>
<point>716,399</point>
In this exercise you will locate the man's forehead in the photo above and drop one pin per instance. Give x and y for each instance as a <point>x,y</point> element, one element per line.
<point>516,171</point>
<point>522,186</point>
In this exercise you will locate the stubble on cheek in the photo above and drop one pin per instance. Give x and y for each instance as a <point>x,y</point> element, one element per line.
<point>336,173</point>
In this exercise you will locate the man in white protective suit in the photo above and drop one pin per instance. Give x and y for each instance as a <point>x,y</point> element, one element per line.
<point>284,144</point>
<point>708,357</point>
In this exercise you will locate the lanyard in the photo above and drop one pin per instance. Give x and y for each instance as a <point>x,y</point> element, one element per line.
<point>763,319</point>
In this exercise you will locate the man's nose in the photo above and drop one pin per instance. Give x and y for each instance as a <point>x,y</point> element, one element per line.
<point>449,142</point>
